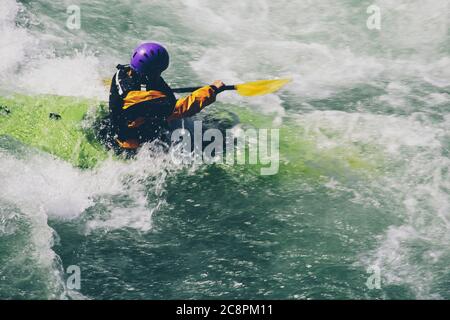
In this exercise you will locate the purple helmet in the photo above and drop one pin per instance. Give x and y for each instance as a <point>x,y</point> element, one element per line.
<point>150,58</point>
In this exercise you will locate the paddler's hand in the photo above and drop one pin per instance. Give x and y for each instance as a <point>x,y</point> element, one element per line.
<point>218,86</point>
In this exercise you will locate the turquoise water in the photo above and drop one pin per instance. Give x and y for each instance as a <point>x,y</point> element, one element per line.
<point>364,172</point>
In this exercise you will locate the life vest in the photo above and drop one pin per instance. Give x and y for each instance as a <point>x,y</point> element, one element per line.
<point>139,108</point>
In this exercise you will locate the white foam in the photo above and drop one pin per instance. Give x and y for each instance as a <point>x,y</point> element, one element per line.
<point>417,25</point>
<point>15,42</point>
<point>29,63</point>
<point>325,47</point>
<point>65,192</point>
<point>77,75</point>
<point>416,182</point>
<point>391,133</point>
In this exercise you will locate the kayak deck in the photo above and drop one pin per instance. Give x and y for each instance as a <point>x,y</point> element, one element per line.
<point>54,124</point>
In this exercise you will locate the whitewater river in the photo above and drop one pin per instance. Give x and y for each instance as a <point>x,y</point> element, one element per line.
<point>363,189</point>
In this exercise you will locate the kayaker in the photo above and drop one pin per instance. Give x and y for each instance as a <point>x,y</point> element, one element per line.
<point>142,106</point>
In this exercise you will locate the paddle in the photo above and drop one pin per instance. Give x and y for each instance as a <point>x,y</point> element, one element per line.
<point>248,89</point>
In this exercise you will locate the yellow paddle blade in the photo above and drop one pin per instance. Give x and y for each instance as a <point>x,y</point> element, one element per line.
<point>257,88</point>
<point>107,82</point>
